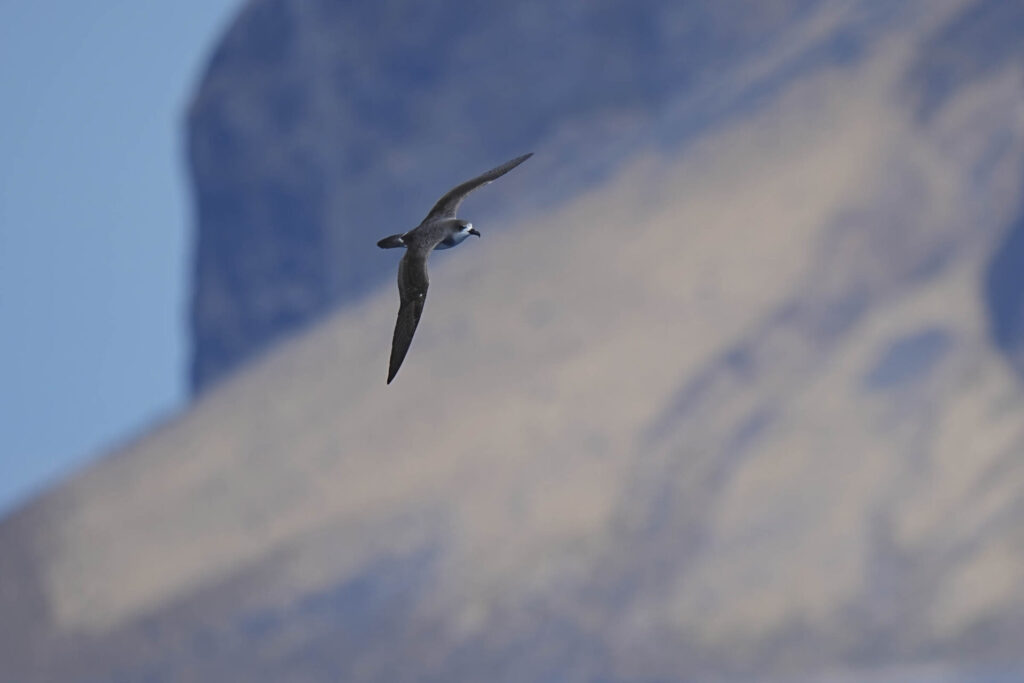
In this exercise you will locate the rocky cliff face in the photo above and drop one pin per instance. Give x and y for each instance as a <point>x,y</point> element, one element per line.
<point>731,409</point>
<point>321,126</point>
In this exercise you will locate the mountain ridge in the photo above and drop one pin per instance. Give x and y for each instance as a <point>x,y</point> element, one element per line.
<point>769,436</point>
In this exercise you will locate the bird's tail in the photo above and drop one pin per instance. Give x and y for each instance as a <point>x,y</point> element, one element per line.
<point>391,241</point>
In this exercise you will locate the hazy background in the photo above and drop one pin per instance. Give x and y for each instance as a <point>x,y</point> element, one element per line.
<point>729,390</point>
<point>95,224</point>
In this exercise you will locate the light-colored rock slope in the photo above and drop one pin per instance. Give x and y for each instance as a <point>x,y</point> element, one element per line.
<point>733,412</point>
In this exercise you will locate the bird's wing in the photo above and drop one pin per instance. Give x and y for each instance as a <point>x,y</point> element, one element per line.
<point>412,290</point>
<point>448,204</point>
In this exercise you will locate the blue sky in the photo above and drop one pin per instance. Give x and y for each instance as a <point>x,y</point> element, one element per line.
<point>95,224</point>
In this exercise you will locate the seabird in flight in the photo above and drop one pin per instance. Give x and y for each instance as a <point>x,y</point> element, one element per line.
<point>439,230</point>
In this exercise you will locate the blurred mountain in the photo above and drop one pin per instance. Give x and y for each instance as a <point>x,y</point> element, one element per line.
<point>727,395</point>
<point>320,126</point>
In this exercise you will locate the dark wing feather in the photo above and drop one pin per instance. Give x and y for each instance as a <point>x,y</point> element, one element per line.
<point>412,290</point>
<point>448,204</point>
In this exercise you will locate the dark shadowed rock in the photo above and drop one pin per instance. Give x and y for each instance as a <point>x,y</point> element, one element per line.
<point>1004,294</point>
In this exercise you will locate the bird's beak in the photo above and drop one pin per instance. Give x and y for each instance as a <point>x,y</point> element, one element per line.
<point>474,231</point>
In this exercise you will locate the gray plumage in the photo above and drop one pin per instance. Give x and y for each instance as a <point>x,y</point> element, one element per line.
<point>439,230</point>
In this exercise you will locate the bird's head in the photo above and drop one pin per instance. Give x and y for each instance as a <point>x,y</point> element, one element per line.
<point>470,230</point>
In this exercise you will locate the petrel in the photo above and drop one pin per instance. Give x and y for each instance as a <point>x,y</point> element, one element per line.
<point>439,230</point>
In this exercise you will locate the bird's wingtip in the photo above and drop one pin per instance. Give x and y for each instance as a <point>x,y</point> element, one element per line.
<point>518,160</point>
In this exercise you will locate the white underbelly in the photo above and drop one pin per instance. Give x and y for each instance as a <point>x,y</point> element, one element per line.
<point>453,241</point>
